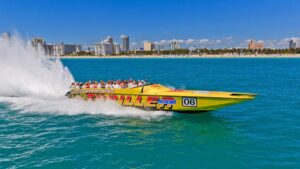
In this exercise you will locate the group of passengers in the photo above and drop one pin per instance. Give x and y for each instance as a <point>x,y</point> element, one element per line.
<point>110,84</point>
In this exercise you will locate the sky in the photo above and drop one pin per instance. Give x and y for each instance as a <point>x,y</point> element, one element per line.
<point>199,23</point>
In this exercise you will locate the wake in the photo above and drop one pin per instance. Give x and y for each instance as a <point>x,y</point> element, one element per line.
<point>32,82</point>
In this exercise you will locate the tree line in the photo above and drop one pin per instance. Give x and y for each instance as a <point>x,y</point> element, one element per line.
<point>205,51</point>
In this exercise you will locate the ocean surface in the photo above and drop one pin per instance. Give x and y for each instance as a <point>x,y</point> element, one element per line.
<point>38,132</point>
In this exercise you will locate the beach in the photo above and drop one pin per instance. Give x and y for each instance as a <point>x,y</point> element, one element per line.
<point>184,56</point>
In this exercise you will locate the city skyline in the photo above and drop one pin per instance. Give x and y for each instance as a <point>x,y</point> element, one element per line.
<point>110,47</point>
<point>185,44</point>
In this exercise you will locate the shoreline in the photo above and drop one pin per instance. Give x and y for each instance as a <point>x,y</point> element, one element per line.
<point>179,56</point>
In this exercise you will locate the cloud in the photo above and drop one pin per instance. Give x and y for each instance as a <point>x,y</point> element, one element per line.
<point>190,41</point>
<point>203,41</point>
<point>200,43</point>
<point>226,42</point>
<point>260,41</point>
<point>281,43</point>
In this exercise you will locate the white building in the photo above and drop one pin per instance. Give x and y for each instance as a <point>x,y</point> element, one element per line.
<point>64,49</point>
<point>98,49</point>
<point>117,48</point>
<point>175,45</point>
<point>107,47</point>
<point>104,48</point>
<point>125,43</point>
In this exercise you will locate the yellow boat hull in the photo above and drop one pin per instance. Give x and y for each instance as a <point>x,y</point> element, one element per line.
<point>159,97</point>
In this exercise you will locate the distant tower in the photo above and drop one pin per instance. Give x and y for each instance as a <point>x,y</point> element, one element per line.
<point>109,39</point>
<point>149,46</point>
<point>292,44</point>
<point>37,41</point>
<point>255,45</point>
<point>175,45</point>
<point>5,36</point>
<point>117,48</point>
<point>125,43</point>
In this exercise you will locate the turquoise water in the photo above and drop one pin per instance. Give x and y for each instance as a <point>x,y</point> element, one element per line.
<point>263,133</point>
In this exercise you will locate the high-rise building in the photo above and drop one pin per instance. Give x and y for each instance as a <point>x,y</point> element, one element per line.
<point>149,46</point>
<point>117,49</point>
<point>109,46</point>
<point>255,45</point>
<point>292,44</point>
<point>101,48</point>
<point>105,47</point>
<point>64,49</point>
<point>39,43</point>
<point>6,36</point>
<point>97,49</point>
<point>175,45</point>
<point>125,43</point>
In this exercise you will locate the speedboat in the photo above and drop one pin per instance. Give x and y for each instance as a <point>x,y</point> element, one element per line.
<point>159,97</point>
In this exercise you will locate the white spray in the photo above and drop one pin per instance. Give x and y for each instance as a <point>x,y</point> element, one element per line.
<point>31,82</point>
<point>26,71</point>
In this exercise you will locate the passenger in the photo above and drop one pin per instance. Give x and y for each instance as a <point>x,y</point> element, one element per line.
<point>72,85</point>
<point>102,84</point>
<point>134,84</point>
<point>114,85</point>
<point>130,84</point>
<point>109,84</point>
<point>117,86</point>
<point>99,85</point>
<point>95,85</point>
<point>140,83</point>
<point>106,86</point>
<point>88,85</point>
<point>80,85</point>
<point>77,86</point>
<point>143,83</point>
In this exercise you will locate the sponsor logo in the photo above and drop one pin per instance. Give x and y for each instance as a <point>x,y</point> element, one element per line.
<point>167,100</point>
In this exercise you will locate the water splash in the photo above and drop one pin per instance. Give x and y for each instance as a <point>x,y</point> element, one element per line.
<point>32,82</point>
<point>26,71</point>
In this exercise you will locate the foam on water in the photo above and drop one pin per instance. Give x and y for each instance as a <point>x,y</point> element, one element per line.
<point>76,106</point>
<point>31,82</point>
